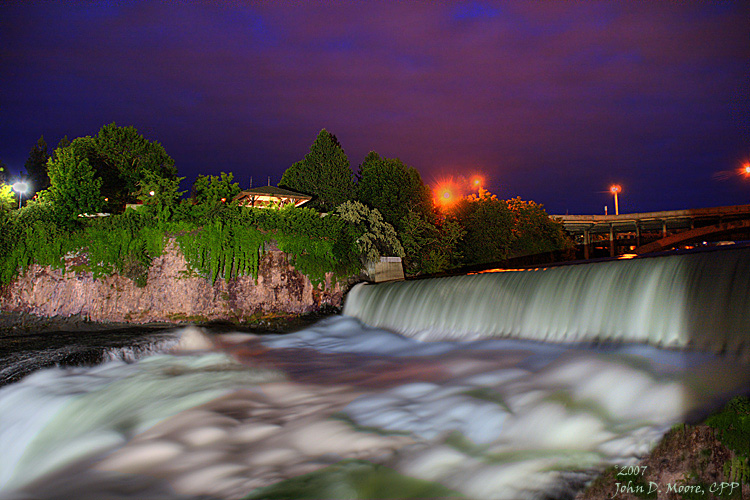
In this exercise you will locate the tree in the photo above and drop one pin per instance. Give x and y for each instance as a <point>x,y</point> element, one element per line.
<point>534,232</point>
<point>3,173</point>
<point>323,173</point>
<point>430,248</point>
<point>36,167</point>
<point>489,228</point>
<point>121,157</point>
<point>64,142</point>
<point>393,188</point>
<point>498,229</point>
<point>160,191</point>
<point>376,237</point>
<point>210,189</point>
<point>74,188</point>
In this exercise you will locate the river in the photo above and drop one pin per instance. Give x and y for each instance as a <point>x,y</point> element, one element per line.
<point>507,385</point>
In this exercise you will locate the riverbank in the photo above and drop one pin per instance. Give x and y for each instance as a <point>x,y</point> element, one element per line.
<point>172,294</point>
<point>702,461</point>
<point>20,323</point>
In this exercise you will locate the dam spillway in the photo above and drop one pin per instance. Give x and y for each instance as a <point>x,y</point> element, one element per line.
<point>697,300</point>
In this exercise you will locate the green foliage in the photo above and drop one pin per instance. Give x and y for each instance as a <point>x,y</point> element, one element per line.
<point>732,426</point>
<point>210,189</point>
<point>375,237</point>
<point>125,243</point>
<point>222,249</point>
<point>74,189</point>
<point>737,470</point>
<point>498,229</point>
<point>393,188</point>
<point>7,199</point>
<point>534,232</point>
<point>323,173</point>
<point>159,191</point>
<point>231,242</point>
<point>121,157</point>
<point>489,225</point>
<point>430,248</point>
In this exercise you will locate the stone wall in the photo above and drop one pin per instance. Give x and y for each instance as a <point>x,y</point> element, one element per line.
<point>172,293</point>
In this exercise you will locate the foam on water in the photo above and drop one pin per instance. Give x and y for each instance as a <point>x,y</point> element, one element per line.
<point>58,415</point>
<point>500,418</point>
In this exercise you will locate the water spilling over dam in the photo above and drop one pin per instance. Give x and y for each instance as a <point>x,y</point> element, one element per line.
<point>698,300</point>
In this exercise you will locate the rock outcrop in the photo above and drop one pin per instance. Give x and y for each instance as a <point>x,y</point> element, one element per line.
<point>172,293</point>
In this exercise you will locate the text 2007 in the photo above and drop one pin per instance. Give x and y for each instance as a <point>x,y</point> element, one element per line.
<point>631,470</point>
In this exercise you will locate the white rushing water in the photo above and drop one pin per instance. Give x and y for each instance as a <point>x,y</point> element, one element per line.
<point>358,411</point>
<point>697,300</point>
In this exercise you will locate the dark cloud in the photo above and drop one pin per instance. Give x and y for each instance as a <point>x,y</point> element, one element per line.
<point>552,101</point>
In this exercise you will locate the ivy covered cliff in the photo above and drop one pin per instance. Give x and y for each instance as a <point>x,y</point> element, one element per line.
<point>184,263</point>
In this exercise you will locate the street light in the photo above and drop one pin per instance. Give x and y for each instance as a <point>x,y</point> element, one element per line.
<point>614,190</point>
<point>20,187</point>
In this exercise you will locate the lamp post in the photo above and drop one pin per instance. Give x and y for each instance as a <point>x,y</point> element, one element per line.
<point>20,187</point>
<point>614,190</point>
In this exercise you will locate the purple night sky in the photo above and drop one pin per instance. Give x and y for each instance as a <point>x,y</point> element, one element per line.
<point>551,101</point>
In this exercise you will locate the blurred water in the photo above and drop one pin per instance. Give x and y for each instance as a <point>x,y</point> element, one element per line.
<point>698,300</point>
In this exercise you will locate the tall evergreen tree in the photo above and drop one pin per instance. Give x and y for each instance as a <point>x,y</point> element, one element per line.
<point>74,187</point>
<point>323,173</point>
<point>36,167</point>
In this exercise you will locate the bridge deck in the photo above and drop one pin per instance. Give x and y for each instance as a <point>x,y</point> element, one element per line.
<point>627,232</point>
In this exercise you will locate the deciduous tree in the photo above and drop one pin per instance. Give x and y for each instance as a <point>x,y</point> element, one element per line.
<point>376,237</point>
<point>213,189</point>
<point>489,228</point>
<point>393,188</point>
<point>121,157</point>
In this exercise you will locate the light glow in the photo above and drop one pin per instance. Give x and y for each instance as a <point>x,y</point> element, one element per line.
<point>446,193</point>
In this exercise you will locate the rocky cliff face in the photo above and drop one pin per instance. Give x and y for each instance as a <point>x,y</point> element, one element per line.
<point>172,293</point>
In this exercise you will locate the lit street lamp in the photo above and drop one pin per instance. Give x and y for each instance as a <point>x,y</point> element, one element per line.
<point>614,190</point>
<point>20,187</point>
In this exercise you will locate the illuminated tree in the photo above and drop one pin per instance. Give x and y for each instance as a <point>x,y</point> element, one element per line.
<point>430,248</point>
<point>74,188</point>
<point>7,200</point>
<point>534,232</point>
<point>489,228</point>
<point>375,237</point>
<point>213,189</point>
<point>323,173</point>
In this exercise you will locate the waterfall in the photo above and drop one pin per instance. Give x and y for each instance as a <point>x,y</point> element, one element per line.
<point>697,300</point>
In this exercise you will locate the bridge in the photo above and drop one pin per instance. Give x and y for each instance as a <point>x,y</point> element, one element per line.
<point>640,233</point>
